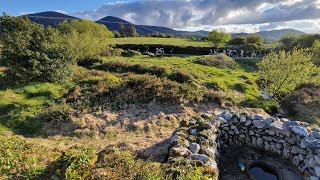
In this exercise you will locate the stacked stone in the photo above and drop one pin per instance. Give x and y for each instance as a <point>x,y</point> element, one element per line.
<point>200,138</point>
<point>195,141</point>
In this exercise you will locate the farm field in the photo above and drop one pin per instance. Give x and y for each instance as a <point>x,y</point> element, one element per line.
<point>163,41</point>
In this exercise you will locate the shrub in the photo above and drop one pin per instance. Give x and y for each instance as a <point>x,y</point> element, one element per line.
<point>131,53</point>
<point>144,89</point>
<point>116,66</point>
<point>250,47</point>
<point>219,60</point>
<point>282,72</point>
<point>33,53</point>
<point>303,102</point>
<point>255,39</point>
<point>182,76</point>
<point>86,38</point>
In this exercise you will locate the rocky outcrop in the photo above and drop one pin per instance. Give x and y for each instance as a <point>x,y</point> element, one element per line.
<point>201,138</point>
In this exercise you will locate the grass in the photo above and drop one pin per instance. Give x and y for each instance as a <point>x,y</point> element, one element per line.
<point>236,86</point>
<point>164,41</point>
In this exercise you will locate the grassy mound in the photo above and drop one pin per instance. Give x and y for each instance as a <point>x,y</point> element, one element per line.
<point>304,103</point>
<point>219,60</point>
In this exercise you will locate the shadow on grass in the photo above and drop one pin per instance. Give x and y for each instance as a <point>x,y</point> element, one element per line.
<point>249,65</point>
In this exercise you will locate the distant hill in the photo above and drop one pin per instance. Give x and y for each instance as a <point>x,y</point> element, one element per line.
<point>271,35</point>
<point>112,23</point>
<point>49,18</point>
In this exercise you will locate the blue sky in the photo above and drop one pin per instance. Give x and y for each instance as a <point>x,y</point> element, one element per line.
<point>229,15</point>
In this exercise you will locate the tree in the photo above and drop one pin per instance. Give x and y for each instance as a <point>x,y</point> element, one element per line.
<point>316,51</point>
<point>33,53</point>
<point>116,34</point>
<point>87,39</point>
<point>132,32</point>
<point>282,72</point>
<point>238,40</point>
<point>289,41</point>
<point>122,29</point>
<point>255,39</point>
<point>218,39</point>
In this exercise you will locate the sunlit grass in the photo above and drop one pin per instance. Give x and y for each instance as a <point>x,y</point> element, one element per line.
<point>163,41</point>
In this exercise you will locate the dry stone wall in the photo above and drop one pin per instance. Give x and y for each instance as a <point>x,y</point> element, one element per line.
<point>201,138</point>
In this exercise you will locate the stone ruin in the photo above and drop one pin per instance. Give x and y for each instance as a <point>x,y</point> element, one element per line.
<point>200,139</point>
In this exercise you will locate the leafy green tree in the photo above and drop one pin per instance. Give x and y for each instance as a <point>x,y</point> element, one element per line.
<point>316,51</point>
<point>87,39</point>
<point>116,34</point>
<point>238,40</point>
<point>288,41</point>
<point>122,29</point>
<point>255,39</point>
<point>219,39</point>
<point>282,72</point>
<point>132,32</point>
<point>33,53</point>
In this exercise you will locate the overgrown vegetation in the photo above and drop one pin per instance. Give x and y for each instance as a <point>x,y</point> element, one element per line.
<point>219,60</point>
<point>218,39</point>
<point>282,72</point>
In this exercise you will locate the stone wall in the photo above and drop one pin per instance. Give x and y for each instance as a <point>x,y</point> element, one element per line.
<point>201,138</point>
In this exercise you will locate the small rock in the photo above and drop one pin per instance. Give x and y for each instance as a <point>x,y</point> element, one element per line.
<point>315,134</point>
<point>312,162</point>
<point>220,119</point>
<point>209,152</point>
<point>301,131</point>
<point>317,170</point>
<point>295,161</point>
<point>194,148</point>
<point>243,118</point>
<point>317,158</point>
<point>266,146</point>
<point>259,141</point>
<point>248,123</point>
<point>310,143</point>
<point>251,132</point>
<point>286,153</point>
<point>201,157</point>
<point>314,178</point>
<point>193,131</point>
<point>175,152</point>
<point>268,138</point>
<point>235,120</point>
<point>258,116</point>
<point>280,127</point>
<point>227,115</point>
<point>259,124</point>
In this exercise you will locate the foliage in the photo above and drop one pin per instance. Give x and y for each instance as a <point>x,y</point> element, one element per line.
<point>132,32</point>
<point>304,102</point>
<point>218,39</point>
<point>316,50</point>
<point>122,29</point>
<point>159,35</point>
<point>20,159</point>
<point>76,163</point>
<point>87,39</point>
<point>282,72</point>
<point>219,60</point>
<point>255,39</point>
<point>290,41</point>
<point>238,40</point>
<point>182,76</point>
<point>131,53</point>
<point>250,47</point>
<point>116,34</point>
<point>33,53</point>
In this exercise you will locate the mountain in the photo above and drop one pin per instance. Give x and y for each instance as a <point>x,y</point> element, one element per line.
<point>271,35</point>
<point>112,23</point>
<point>49,18</point>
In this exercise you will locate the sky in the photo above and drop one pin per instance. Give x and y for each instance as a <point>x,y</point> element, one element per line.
<point>228,15</point>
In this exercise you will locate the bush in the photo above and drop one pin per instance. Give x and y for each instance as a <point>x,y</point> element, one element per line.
<point>219,60</point>
<point>255,39</point>
<point>86,38</point>
<point>218,39</point>
<point>303,102</point>
<point>33,53</point>
<point>250,47</point>
<point>182,76</point>
<point>131,53</point>
<point>282,72</point>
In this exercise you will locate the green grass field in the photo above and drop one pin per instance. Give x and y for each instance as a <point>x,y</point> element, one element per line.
<point>164,41</point>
